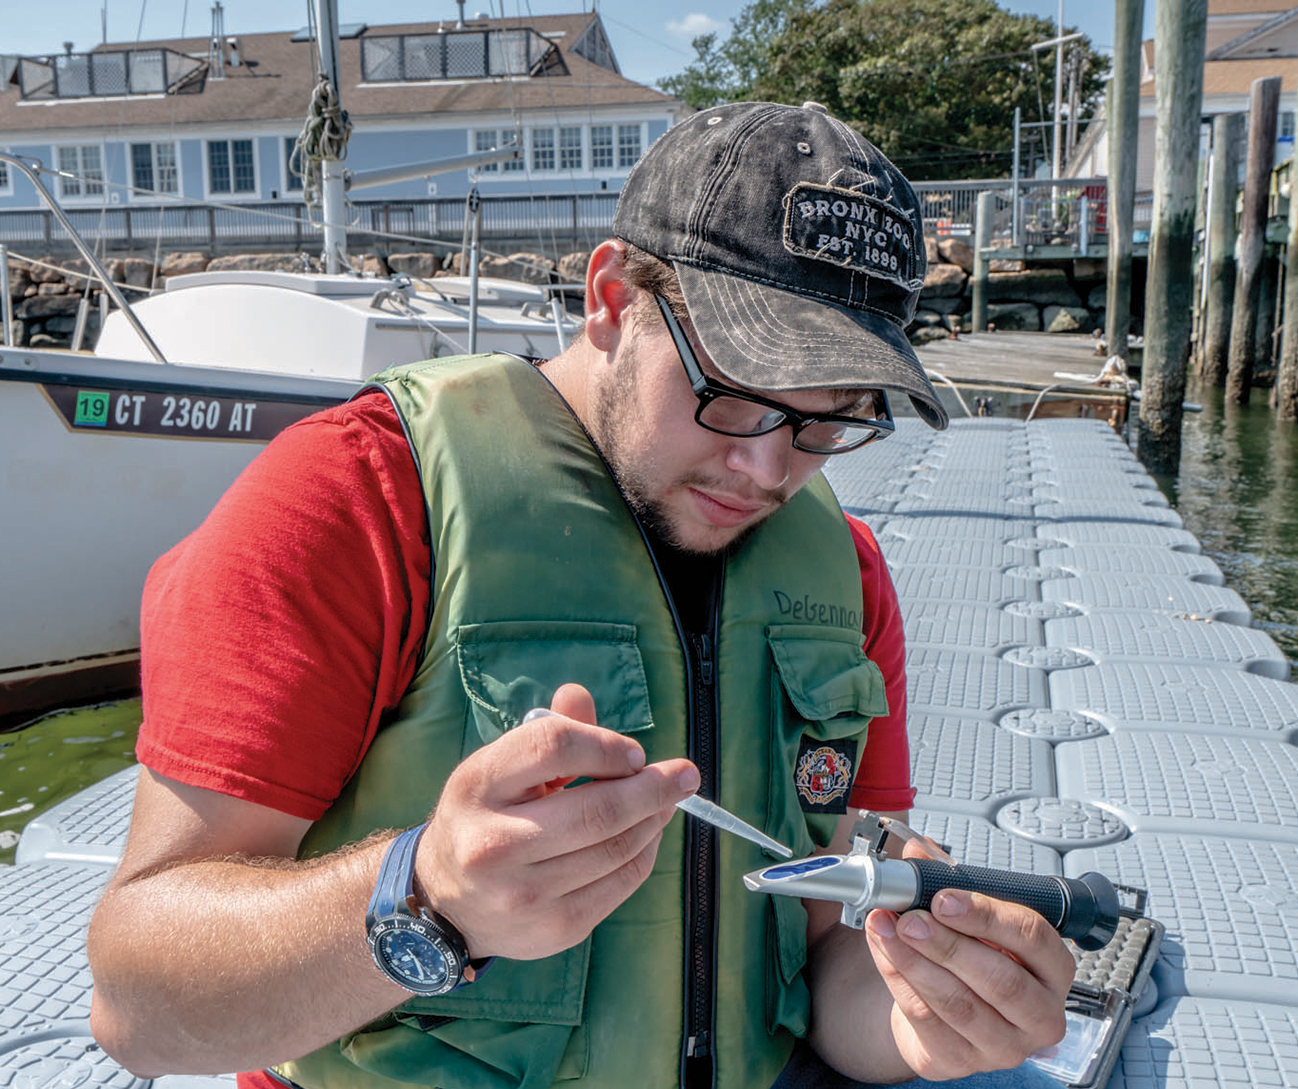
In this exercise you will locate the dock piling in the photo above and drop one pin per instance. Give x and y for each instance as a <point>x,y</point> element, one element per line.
<point>986,210</point>
<point>1264,100</point>
<point>1124,114</point>
<point>1286,381</point>
<point>1223,187</point>
<point>1181,29</point>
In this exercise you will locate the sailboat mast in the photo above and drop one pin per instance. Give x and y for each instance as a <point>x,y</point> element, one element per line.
<point>333,193</point>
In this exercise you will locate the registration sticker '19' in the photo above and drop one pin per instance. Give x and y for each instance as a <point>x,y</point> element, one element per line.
<point>92,409</point>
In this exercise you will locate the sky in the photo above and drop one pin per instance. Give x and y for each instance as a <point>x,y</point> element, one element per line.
<point>651,40</point>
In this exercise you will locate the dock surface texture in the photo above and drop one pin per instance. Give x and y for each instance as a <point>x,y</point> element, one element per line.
<point>1030,360</point>
<point>1084,692</point>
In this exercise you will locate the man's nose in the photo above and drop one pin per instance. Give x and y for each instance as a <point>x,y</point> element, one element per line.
<point>764,459</point>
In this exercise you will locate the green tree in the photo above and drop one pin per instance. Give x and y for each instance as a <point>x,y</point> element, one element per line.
<point>728,72</point>
<point>932,83</point>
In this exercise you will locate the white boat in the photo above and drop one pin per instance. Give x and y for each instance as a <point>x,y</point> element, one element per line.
<point>110,459</point>
<point>337,326</point>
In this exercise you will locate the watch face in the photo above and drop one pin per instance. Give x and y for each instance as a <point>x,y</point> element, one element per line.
<point>415,958</point>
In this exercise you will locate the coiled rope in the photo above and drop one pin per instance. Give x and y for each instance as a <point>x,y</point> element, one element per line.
<point>323,138</point>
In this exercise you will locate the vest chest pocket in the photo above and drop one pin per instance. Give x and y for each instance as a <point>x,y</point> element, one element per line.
<point>510,667</point>
<point>824,693</point>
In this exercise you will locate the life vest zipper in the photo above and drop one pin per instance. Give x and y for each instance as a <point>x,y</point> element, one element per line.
<point>698,1067</point>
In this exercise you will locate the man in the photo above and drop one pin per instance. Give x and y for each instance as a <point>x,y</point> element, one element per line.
<point>636,539</point>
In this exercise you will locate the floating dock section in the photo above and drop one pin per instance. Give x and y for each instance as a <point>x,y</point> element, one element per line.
<point>1085,694</point>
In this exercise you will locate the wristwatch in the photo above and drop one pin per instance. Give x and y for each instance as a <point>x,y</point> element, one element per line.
<point>416,948</point>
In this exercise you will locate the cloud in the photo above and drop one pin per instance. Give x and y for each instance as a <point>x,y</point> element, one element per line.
<point>693,25</point>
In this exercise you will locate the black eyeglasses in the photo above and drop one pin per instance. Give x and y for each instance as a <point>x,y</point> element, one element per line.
<point>729,411</point>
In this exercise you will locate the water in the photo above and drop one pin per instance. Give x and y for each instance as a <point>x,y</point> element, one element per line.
<point>1237,491</point>
<point>58,755</point>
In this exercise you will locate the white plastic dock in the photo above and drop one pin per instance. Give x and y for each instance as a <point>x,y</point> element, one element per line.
<point>1085,694</point>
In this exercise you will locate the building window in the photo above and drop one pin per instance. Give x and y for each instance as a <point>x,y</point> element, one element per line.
<point>491,139</point>
<point>292,166</point>
<point>1286,124</point>
<point>154,168</point>
<point>231,167</point>
<point>5,186</point>
<point>628,145</point>
<point>601,147</point>
<point>543,149</point>
<point>81,171</point>
<point>570,156</point>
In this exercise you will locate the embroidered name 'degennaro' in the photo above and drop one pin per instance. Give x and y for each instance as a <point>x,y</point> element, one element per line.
<point>843,227</point>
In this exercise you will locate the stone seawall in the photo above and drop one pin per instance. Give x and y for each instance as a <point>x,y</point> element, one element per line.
<point>1049,297</point>
<point>1060,297</point>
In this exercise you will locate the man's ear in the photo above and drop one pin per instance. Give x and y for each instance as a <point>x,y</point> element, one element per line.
<point>608,295</point>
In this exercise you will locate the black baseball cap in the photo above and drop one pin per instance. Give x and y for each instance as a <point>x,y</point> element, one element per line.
<point>799,247</point>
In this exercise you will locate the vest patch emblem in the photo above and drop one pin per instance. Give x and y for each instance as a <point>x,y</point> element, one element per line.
<point>823,774</point>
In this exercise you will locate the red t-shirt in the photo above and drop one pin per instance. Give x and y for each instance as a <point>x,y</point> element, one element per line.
<point>267,680</point>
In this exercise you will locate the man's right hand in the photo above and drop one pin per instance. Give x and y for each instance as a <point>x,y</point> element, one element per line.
<point>526,865</point>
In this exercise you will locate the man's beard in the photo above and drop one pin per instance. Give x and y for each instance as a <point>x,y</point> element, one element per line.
<point>608,425</point>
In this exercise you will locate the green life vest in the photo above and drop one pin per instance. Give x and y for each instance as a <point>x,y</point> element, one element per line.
<point>541,576</point>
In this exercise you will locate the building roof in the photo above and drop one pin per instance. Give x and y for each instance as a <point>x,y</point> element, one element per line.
<point>1273,37</point>
<point>1235,77</point>
<point>274,82</point>
<point>1246,7</point>
<point>1261,40</point>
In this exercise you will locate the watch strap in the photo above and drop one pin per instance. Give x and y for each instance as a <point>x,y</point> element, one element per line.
<point>396,880</point>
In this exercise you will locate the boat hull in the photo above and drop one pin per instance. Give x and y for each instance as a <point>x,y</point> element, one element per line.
<point>106,465</point>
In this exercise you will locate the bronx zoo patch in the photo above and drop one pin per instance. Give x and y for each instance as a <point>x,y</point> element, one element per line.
<point>823,774</point>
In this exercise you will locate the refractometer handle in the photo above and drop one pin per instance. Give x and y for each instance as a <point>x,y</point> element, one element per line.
<point>1084,908</point>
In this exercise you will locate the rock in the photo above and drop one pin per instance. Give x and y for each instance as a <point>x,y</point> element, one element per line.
<point>495,266</point>
<point>18,283</point>
<point>182,264</point>
<point>531,268</point>
<point>957,251</point>
<point>43,306</point>
<point>927,317</point>
<point>61,325</point>
<point>76,271</point>
<point>957,323</point>
<point>1066,319</point>
<point>372,264</point>
<point>931,251</point>
<point>943,281</point>
<point>422,265</point>
<point>44,340</point>
<point>1098,299</point>
<point>1041,285</point>
<point>58,288</point>
<point>1001,264</point>
<point>39,274</point>
<point>138,272</point>
<point>1015,315</point>
<point>1088,270</point>
<point>572,267</point>
<point>253,262</point>
<point>948,304</point>
<point>925,334</point>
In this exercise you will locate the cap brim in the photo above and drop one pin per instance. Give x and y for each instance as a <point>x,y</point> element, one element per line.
<point>770,339</point>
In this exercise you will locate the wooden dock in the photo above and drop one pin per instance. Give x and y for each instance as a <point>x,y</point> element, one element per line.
<point>1008,371</point>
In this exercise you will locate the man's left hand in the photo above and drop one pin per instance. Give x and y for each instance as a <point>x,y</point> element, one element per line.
<point>978,984</point>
